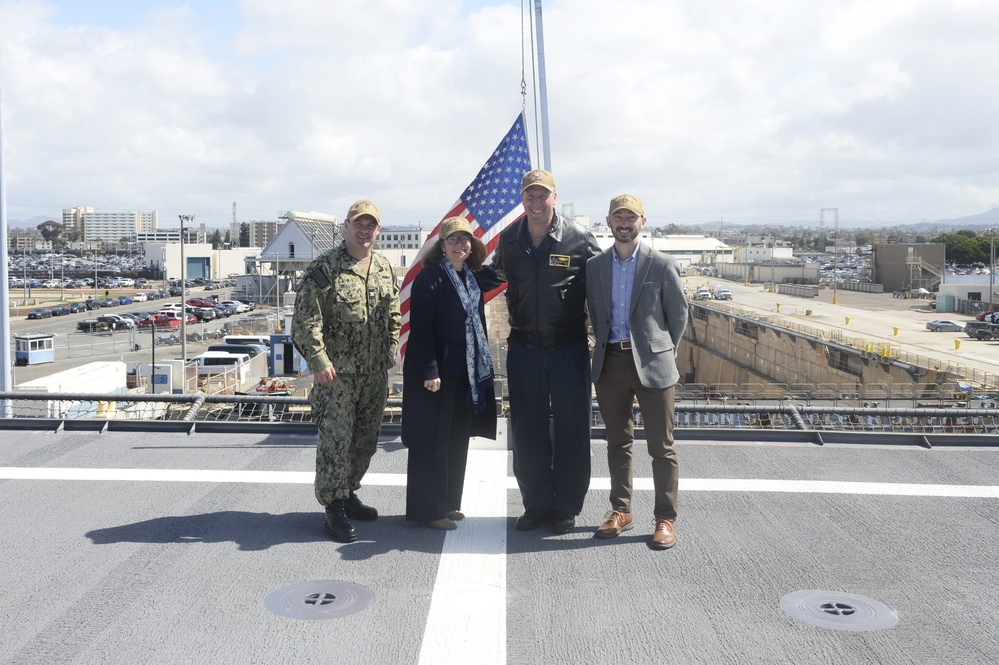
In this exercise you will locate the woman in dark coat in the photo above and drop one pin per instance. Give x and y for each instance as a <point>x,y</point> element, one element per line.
<point>447,376</point>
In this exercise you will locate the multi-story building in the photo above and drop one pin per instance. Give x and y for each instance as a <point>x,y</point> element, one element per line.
<point>261,232</point>
<point>401,244</point>
<point>109,226</point>
<point>198,234</point>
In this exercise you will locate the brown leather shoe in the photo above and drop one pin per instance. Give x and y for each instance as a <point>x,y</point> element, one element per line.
<point>614,523</point>
<point>663,537</point>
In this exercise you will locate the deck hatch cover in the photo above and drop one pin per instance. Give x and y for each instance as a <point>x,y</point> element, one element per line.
<point>839,611</point>
<point>319,600</point>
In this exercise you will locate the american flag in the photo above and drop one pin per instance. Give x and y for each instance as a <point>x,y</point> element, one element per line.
<point>490,203</point>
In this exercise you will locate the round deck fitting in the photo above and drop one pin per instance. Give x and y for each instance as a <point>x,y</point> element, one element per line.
<point>839,611</point>
<point>319,599</point>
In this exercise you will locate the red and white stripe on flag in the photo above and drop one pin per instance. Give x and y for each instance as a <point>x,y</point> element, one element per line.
<point>490,203</point>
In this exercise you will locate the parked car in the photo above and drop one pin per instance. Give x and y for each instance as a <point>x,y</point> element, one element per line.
<point>224,310</point>
<point>40,313</point>
<point>116,322</point>
<point>252,350</point>
<point>722,293</point>
<point>139,297</point>
<point>77,307</point>
<point>89,325</point>
<point>236,305</point>
<point>981,330</point>
<point>110,302</point>
<point>167,319</point>
<point>60,310</point>
<point>200,302</point>
<point>944,324</point>
<point>125,300</point>
<point>702,294</point>
<point>92,303</point>
<point>203,313</point>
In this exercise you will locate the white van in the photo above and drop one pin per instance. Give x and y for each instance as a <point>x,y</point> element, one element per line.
<point>263,340</point>
<point>216,362</point>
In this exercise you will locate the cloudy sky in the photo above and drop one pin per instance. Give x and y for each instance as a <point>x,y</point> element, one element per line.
<point>757,111</point>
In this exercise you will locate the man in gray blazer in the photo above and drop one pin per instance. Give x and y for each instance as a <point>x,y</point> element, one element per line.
<point>638,311</point>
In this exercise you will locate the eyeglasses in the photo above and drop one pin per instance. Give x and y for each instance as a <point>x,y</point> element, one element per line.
<point>459,240</point>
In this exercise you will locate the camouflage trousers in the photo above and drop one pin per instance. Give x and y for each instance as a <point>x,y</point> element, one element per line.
<point>348,413</point>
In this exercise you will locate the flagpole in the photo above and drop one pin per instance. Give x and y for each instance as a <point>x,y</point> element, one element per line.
<point>5,360</point>
<point>542,86</point>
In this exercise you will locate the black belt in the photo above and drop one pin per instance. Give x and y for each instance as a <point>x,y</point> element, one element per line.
<point>542,342</point>
<point>620,346</point>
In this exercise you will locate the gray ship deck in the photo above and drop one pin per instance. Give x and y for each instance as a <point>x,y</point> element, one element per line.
<point>163,547</point>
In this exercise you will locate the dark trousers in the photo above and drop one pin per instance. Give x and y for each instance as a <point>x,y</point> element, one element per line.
<point>552,469</point>
<point>434,483</point>
<point>617,388</point>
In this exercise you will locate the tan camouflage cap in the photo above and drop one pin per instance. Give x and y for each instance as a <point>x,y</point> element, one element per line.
<point>628,202</point>
<point>538,177</point>
<point>364,207</point>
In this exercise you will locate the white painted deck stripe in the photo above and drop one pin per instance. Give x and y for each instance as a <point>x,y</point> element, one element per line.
<point>467,619</point>
<point>399,480</point>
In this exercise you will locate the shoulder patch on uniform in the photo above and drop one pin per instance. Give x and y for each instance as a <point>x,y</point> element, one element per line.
<point>319,278</point>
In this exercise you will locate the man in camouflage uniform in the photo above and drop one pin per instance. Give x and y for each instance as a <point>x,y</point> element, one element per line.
<point>346,326</point>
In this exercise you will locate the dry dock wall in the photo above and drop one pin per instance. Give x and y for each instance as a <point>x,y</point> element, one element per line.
<point>725,352</point>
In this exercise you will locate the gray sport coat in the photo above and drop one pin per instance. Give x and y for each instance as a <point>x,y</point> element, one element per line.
<point>658,313</point>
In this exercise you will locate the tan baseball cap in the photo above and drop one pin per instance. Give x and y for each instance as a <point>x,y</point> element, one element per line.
<point>364,207</point>
<point>538,177</point>
<point>628,202</point>
<point>453,225</point>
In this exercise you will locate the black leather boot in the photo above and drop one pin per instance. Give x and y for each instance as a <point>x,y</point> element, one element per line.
<point>336,523</point>
<point>356,510</point>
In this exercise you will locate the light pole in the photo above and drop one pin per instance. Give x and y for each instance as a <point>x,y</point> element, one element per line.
<point>277,309</point>
<point>773,242</point>
<point>992,264</point>
<point>184,219</point>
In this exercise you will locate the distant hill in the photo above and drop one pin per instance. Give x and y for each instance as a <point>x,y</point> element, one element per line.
<point>29,223</point>
<point>987,217</point>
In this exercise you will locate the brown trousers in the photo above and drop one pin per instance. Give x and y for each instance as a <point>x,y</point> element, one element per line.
<point>617,389</point>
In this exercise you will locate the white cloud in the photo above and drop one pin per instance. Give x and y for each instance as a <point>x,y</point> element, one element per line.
<point>760,110</point>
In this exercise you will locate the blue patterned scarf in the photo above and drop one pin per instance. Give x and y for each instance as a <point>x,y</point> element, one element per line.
<point>477,359</point>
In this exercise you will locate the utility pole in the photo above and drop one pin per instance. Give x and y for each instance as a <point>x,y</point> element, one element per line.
<point>835,214</point>
<point>992,264</point>
<point>184,219</point>
<point>6,374</point>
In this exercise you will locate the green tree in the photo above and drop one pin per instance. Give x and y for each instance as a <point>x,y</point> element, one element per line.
<point>216,239</point>
<point>961,248</point>
<point>50,230</point>
<point>244,235</point>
